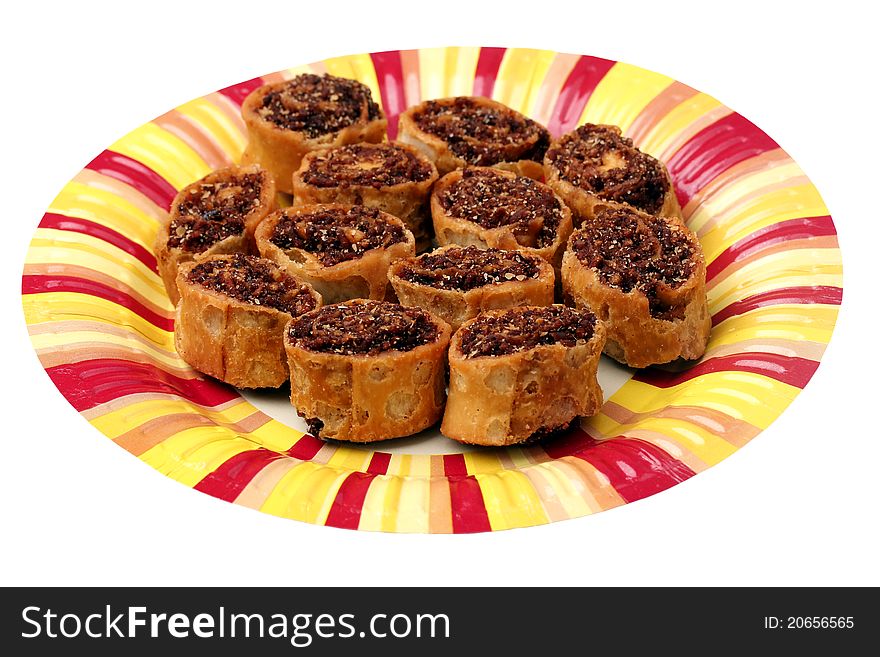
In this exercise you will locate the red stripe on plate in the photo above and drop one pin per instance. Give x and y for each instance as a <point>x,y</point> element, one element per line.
<point>228,480</point>
<point>89,383</point>
<point>38,284</point>
<point>715,149</point>
<point>635,468</point>
<point>136,175</point>
<point>238,92</point>
<point>468,508</point>
<point>575,93</point>
<point>454,465</point>
<point>379,463</point>
<point>792,229</point>
<point>345,512</point>
<point>86,227</point>
<point>306,447</point>
<point>389,73</point>
<point>787,369</point>
<point>821,294</point>
<point>488,64</point>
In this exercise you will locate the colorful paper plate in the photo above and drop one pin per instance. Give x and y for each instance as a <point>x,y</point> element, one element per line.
<point>102,324</point>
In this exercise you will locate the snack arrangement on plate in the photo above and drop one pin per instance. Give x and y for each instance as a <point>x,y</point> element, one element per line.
<point>472,272</point>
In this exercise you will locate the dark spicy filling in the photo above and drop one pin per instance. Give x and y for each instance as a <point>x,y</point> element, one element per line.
<point>481,134</point>
<point>599,160</point>
<point>213,210</point>
<point>366,165</point>
<point>335,235</point>
<point>318,105</point>
<point>364,328</point>
<point>491,199</point>
<point>469,268</point>
<point>628,252</point>
<point>520,329</point>
<point>253,280</point>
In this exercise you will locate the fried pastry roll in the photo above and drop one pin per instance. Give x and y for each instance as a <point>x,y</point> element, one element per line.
<point>475,131</point>
<point>521,374</point>
<point>285,120</point>
<point>390,176</point>
<point>231,317</point>
<point>491,208</point>
<point>645,277</point>
<point>367,370</point>
<point>343,251</point>
<point>596,165</point>
<point>214,215</point>
<point>458,283</point>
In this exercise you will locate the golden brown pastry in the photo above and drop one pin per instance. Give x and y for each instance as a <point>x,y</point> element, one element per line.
<point>520,374</point>
<point>285,120</point>
<point>231,317</point>
<point>645,277</point>
<point>367,370</point>
<point>457,283</point>
<point>343,251</point>
<point>214,215</point>
<point>474,131</point>
<point>595,164</point>
<point>487,207</point>
<point>390,176</point>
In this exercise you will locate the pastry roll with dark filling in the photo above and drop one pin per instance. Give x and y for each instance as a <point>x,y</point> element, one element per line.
<point>596,165</point>
<point>475,131</point>
<point>645,277</point>
<point>390,176</point>
<point>231,317</point>
<point>285,120</point>
<point>366,370</point>
<point>521,374</point>
<point>458,283</point>
<point>486,207</point>
<point>343,251</point>
<point>214,215</point>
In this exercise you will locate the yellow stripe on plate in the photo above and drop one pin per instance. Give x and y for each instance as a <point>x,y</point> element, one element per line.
<point>802,322</point>
<point>108,209</point>
<point>275,436</point>
<point>350,458</point>
<point>65,306</point>
<point>511,500</point>
<point>413,505</point>
<point>167,155</point>
<point>703,444</point>
<point>482,462</point>
<point>567,489</point>
<point>669,127</point>
<point>116,422</point>
<point>190,455</point>
<point>214,121</point>
<point>379,511</point>
<point>771,208</point>
<point>754,398</point>
<point>305,493</point>
<point>358,67</point>
<point>622,95</point>
<point>520,76</point>
<point>74,340</point>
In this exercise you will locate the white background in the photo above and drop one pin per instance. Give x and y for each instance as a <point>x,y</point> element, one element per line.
<point>797,506</point>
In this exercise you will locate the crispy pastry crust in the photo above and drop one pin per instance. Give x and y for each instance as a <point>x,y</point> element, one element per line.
<point>584,202</point>
<point>453,230</point>
<point>237,342</point>
<point>408,199</point>
<point>521,396</point>
<point>281,151</point>
<point>169,258</point>
<point>523,155</point>
<point>366,398</point>
<point>635,337</point>
<point>456,306</point>
<point>364,277</point>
